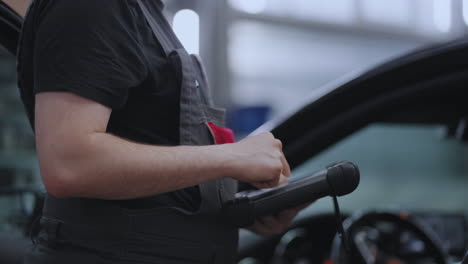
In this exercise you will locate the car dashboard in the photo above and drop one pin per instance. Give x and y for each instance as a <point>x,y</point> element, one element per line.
<point>384,237</point>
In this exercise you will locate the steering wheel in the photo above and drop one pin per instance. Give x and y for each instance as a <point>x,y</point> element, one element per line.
<point>382,237</point>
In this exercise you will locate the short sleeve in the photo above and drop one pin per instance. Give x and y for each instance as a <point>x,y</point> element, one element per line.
<point>90,48</point>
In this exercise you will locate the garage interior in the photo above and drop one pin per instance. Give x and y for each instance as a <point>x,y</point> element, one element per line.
<point>265,59</point>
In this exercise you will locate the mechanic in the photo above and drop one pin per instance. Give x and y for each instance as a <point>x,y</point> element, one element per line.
<point>124,131</point>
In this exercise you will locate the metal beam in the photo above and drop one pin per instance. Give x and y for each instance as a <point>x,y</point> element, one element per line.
<point>213,47</point>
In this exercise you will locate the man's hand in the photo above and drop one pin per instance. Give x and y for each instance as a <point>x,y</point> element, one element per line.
<point>259,160</point>
<point>277,224</point>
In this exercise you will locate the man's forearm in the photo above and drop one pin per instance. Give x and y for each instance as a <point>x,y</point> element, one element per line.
<point>79,159</point>
<point>108,167</point>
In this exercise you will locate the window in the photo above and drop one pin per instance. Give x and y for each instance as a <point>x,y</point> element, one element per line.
<point>402,167</point>
<point>186,25</point>
<point>396,12</point>
<point>443,15</point>
<point>18,163</point>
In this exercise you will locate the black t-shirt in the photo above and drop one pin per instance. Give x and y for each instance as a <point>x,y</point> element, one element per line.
<point>105,51</point>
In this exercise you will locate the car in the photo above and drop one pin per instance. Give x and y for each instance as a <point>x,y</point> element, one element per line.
<point>404,123</point>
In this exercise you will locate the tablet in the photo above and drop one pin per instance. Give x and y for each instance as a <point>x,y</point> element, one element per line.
<point>337,179</point>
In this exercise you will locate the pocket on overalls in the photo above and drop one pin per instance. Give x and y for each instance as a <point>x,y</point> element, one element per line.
<point>215,122</point>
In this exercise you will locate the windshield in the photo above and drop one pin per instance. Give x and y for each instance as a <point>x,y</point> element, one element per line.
<point>411,167</point>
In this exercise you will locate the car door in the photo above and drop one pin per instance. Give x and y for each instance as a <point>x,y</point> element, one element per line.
<point>17,158</point>
<point>422,94</point>
<point>10,25</point>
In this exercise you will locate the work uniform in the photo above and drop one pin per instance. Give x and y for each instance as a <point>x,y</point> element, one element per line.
<point>124,55</point>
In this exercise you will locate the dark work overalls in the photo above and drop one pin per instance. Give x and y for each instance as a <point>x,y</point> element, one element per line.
<point>88,231</point>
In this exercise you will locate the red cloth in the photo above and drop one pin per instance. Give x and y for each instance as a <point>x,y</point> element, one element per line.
<point>221,135</point>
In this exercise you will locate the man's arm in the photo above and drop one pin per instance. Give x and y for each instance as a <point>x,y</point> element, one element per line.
<point>79,159</point>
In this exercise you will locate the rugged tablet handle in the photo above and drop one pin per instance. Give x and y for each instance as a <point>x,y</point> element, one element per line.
<point>337,179</point>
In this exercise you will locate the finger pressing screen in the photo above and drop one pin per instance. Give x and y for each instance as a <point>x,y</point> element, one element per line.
<point>282,180</point>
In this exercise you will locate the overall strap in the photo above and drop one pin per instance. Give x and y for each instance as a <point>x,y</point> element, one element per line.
<point>161,30</point>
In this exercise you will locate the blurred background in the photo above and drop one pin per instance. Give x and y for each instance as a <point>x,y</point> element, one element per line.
<point>267,57</point>
<point>264,59</point>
